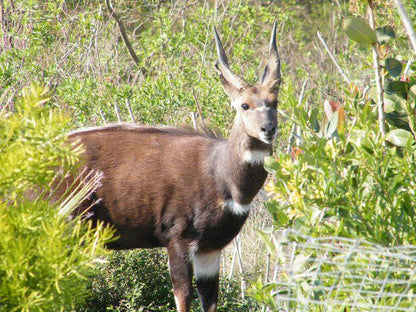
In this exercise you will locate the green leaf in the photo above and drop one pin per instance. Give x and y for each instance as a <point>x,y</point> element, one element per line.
<point>394,102</point>
<point>359,31</point>
<point>332,126</point>
<point>412,92</point>
<point>385,34</point>
<point>396,87</point>
<point>271,164</point>
<point>313,119</point>
<point>398,119</point>
<point>393,67</point>
<point>271,248</point>
<point>300,261</point>
<point>399,137</point>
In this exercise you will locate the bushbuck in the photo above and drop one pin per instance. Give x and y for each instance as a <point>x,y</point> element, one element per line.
<point>186,191</point>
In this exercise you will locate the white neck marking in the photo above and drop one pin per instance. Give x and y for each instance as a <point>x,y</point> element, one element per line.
<point>255,157</point>
<point>237,208</point>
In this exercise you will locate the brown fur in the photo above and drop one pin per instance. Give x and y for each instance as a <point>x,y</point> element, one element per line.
<point>146,193</point>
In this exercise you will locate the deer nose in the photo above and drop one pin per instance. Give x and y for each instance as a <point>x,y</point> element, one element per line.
<point>268,129</point>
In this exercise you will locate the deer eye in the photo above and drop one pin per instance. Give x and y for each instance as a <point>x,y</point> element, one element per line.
<point>245,106</point>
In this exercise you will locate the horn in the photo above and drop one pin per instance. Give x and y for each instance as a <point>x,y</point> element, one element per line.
<point>272,75</point>
<point>224,67</point>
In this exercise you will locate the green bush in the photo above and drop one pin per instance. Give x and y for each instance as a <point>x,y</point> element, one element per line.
<point>44,258</point>
<point>131,281</point>
<point>139,280</point>
<point>348,178</point>
<point>348,184</point>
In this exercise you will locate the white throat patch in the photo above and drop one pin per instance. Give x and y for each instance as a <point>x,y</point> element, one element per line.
<point>255,157</point>
<point>237,208</point>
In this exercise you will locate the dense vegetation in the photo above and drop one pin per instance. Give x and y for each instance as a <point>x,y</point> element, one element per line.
<point>45,259</point>
<point>342,174</point>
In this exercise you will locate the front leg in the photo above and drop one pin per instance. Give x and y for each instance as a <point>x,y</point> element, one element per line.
<point>181,275</point>
<point>206,270</point>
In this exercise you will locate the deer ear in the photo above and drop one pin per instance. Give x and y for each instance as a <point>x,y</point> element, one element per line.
<point>232,84</point>
<point>271,77</point>
<point>265,73</point>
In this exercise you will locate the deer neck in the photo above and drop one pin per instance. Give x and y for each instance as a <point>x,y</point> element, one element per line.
<point>240,165</point>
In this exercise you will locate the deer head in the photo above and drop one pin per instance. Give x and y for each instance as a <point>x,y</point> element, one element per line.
<point>256,105</point>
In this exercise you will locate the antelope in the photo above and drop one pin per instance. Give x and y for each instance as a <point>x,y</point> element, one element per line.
<point>182,190</point>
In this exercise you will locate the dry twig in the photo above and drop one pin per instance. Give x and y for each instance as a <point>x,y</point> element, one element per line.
<point>133,120</point>
<point>124,35</point>
<point>406,23</point>
<point>295,131</point>
<point>117,109</point>
<point>333,58</point>
<point>378,77</point>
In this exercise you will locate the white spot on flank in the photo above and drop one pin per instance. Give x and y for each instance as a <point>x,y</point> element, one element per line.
<point>255,157</point>
<point>237,208</point>
<point>206,265</point>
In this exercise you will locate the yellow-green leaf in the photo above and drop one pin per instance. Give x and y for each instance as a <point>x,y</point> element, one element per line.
<point>359,31</point>
<point>399,137</point>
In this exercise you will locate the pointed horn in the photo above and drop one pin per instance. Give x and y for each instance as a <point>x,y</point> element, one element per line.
<point>272,75</point>
<point>222,57</point>
<point>224,67</point>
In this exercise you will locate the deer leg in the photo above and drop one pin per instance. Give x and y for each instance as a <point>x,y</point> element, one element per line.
<point>206,269</point>
<point>181,275</point>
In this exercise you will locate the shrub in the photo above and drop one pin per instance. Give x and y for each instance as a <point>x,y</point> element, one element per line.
<point>43,258</point>
<point>139,280</point>
<point>346,193</point>
<point>347,178</point>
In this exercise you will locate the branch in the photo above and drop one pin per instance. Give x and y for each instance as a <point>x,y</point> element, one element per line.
<point>133,120</point>
<point>406,23</point>
<point>123,34</point>
<point>379,79</point>
<point>408,65</point>
<point>333,58</point>
<point>117,110</point>
<point>296,128</point>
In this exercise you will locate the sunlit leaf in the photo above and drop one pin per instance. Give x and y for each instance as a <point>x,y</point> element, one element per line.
<point>332,126</point>
<point>328,109</point>
<point>271,248</point>
<point>394,102</point>
<point>271,164</point>
<point>359,31</point>
<point>300,262</point>
<point>399,137</point>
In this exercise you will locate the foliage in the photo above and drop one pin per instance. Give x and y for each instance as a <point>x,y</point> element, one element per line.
<point>43,258</point>
<point>345,179</point>
<point>132,280</point>
<point>31,143</point>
